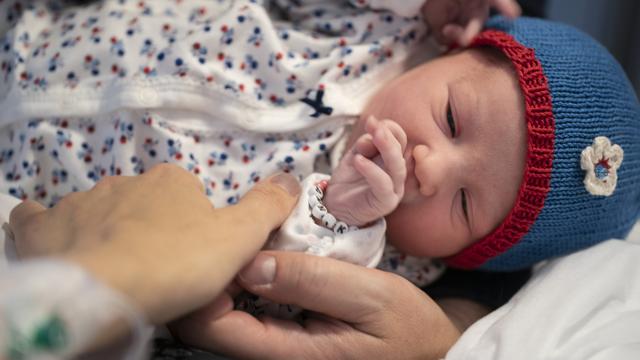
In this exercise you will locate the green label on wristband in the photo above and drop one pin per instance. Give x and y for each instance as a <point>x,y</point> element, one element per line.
<point>48,337</point>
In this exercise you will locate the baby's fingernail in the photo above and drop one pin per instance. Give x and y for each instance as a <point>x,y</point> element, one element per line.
<point>261,271</point>
<point>287,182</point>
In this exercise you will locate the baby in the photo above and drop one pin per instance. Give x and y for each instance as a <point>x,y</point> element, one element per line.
<point>521,176</point>
<point>496,157</point>
<point>492,157</point>
<point>522,148</point>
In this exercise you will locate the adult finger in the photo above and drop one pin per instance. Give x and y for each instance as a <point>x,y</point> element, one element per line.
<point>109,182</point>
<point>176,173</point>
<point>351,296</point>
<point>231,333</point>
<point>266,205</point>
<point>319,284</point>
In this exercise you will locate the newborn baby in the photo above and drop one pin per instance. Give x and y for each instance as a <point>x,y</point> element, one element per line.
<point>500,141</point>
<point>489,158</point>
<point>458,125</point>
<point>443,173</point>
<point>484,154</point>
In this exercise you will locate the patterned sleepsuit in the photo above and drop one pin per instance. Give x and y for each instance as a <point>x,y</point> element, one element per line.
<point>233,91</point>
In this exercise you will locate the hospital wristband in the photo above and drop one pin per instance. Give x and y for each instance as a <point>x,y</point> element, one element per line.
<point>320,212</point>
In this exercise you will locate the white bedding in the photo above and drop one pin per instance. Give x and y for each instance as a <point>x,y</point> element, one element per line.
<point>582,306</point>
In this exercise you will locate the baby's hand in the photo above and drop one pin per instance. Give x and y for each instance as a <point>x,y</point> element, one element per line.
<point>369,181</point>
<point>459,21</point>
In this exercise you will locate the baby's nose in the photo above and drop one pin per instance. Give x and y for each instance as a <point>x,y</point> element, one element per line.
<point>428,170</point>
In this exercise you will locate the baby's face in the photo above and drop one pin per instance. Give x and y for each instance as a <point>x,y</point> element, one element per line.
<point>464,118</point>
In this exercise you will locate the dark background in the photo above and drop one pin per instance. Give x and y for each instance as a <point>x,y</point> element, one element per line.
<point>615,23</point>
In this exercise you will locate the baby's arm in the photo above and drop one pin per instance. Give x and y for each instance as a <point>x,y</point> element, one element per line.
<point>369,181</point>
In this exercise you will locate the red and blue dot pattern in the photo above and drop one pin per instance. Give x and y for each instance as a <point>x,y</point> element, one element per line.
<point>235,50</point>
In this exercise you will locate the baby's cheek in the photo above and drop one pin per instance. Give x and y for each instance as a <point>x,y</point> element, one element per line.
<point>403,233</point>
<point>415,233</point>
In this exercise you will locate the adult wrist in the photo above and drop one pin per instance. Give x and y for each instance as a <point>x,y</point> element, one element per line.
<point>57,308</point>
<point>447,336</point>
<point>462,312</point>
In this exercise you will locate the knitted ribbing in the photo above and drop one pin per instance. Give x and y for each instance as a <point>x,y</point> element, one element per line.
<point>537,172</point>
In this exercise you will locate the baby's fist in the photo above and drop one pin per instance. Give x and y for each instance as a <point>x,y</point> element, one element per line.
<point>369,181</point>
<point>459,21</point>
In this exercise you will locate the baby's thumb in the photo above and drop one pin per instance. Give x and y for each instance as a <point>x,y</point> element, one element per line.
<point>269,202</point>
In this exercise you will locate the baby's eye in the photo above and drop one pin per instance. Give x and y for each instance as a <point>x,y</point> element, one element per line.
<point>463,199</point>
<point>451,122</point>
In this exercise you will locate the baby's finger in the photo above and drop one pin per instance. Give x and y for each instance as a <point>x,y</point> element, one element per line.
<point>379,181</point>
<point>397,132</point>
<point>364,145</point>
<point>509,8</point>
<point>371,125</point>
<point>473,28</point>
<point>392,156</point>
<point>452,33</point>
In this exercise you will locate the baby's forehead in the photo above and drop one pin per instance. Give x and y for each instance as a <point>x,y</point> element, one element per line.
<point>478,64</point>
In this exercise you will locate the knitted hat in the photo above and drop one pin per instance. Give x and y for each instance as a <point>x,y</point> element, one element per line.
<point>581,180</point>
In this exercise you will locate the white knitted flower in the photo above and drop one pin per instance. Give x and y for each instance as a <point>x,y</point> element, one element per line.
<point>601,162</point>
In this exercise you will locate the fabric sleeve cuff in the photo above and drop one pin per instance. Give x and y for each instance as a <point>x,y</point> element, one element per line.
<point>300,232</point>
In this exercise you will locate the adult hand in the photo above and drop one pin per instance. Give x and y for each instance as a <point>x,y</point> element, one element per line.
<point>459,21</point>
<point>358,313</point>
<point>156,237</point>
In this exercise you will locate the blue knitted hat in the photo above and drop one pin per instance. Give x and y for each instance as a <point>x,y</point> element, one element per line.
<point>581,181</point>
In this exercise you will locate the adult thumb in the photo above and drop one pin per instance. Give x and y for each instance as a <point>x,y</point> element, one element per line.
<point>269,202</point>
<point>324,285</point>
